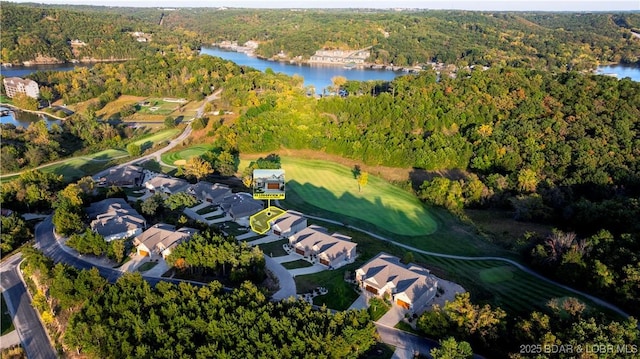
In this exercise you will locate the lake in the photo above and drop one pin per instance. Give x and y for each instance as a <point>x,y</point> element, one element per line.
<point>21,118</point>
<point>318,76</point>
<point>621,71</point>
<point>22,71</point>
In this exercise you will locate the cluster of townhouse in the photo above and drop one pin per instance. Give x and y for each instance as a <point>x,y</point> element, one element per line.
<point>116,219</point>
<point>406,285</point>
<point>340,56</point>
<point>409,286</point>
<point>16,85</point>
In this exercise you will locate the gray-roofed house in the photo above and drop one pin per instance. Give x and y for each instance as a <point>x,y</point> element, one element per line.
<point>410,286</point>
<point>288,224</point>
<point>123,176</point>
<point>160,239</point>
<point>114,218</point>
<point>209,192</point>
<point>240,206</point>
<point>332,251</point>
<point>164,184</point>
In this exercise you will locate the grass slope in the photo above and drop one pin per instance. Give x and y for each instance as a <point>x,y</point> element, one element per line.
<point>333,188</point>
<point>186,153</point>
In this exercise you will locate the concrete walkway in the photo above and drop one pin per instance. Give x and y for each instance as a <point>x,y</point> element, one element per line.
<point>10,339</point>
<point>267,239</point>
<point>226,218</point>
<point>307,270</point>
<point>248,235</point>
<point>200,206</point>
<point>287,258</point>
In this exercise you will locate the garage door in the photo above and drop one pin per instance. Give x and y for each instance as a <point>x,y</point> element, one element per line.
<point>371,289</point>
<point>299,251</point>
<point>143,253</point>
<point>404,305</point>
<point>324,261</point>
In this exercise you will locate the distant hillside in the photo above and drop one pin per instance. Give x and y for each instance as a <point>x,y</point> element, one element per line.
<point>555,41</point>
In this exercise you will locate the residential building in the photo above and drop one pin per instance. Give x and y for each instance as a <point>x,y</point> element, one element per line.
<point>240,206</point>
<point>114,218</point>
<point>332,251</point>
<point>16,85</point>
<point>340,56</point>
<point>288,224</point>
<point>409,286</point>
<point>207,192</point>
<point>160,239</point>
<point>164,184</point>
<point>127,176</point>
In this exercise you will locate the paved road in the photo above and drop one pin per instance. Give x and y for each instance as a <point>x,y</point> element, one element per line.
<point>286,282</point>
<point>465,258</point>
<point>405,340</point>
<point>30,330</point>
<point>47,243</point>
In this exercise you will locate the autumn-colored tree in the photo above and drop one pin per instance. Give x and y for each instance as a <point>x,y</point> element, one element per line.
<point>198,168</point>
<point>363,179</point>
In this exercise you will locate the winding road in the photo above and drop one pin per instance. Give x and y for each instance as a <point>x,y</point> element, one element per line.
<point>32,334</point>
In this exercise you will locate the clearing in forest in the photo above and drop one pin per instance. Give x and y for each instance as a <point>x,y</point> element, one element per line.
<point>334,188</point>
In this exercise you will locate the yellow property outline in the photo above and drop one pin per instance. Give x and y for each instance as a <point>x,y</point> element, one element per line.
<point>260,221</point>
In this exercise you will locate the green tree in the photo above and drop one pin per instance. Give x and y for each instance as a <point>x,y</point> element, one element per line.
<point>151,205</point>
<point>363,179</point>
<point>25,102</point>
<point>14,232</point>
<point>169,122</point>
<point>134,149</point>
<point>46,94</point>
<point>452,349</point>
<point>198,167</point>
<point>180,200</point>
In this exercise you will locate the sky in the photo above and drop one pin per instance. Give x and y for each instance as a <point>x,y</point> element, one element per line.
<point>490,5</point>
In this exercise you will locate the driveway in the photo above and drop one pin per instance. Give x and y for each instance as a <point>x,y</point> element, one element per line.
<point>285,280</point>
<point>393,316</point>
<point>287,258</point>
<point>307,270</point>
<point>247,235</point>
<point>359,303</point>
<point>267,239</point>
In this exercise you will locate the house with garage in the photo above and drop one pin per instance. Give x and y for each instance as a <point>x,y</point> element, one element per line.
<point>127,176</point>
<point>288,224</point>
<point>240,206</point>
<point>207,192</point>
<point>408,286</point>
<point>316,244</point>
<point>114,218</point>
<point>164,184</point>
<point>160,239</point>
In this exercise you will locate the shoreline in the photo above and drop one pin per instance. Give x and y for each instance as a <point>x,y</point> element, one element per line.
<point>32,63</point>
<point>38,112</point>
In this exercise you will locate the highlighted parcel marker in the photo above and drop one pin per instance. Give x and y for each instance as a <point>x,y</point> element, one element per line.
<point>260,221</point>
<point>267,184</point>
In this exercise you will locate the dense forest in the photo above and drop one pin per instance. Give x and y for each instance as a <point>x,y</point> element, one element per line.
<point>556,148</point>
<point>557,41</point>
<point>132,319</point>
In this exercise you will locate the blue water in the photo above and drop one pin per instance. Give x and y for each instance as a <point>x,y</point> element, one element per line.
<point>318,76</point>
<point>621,71</point>
<point>24,119</point>
<point>22,71</point>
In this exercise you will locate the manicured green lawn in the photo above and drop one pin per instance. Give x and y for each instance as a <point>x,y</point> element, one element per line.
<point>274,248</point>
<point>146,266</point>
<point>6,323</point>
<point>332,187</point>
<point>185,154</point>
<point>158,137</point>
<point>163,107</point>
<point>297,264</point>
